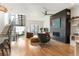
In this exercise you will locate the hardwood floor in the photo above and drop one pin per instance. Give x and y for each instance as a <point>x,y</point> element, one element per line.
<point>23,47</point>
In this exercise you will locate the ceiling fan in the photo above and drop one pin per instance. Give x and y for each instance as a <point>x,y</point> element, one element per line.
<point>45,11</point>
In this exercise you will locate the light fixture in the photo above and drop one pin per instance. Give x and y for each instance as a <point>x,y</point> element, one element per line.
<point>45,11</point>
<point>3,9</point>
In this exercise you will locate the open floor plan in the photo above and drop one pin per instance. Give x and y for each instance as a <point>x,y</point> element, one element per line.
<point>39,29</point>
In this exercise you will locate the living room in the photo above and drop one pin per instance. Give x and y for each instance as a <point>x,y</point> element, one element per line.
<point>29,21</point>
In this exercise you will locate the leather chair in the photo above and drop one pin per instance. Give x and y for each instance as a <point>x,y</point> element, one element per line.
<point>29,35</point>
<point>44,37</point>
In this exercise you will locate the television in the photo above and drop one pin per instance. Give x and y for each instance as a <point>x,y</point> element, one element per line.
<point>56,23</point>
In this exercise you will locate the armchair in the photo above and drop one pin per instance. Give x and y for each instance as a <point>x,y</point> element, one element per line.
<point>44,37</point>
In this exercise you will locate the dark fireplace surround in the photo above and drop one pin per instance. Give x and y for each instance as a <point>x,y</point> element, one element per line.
<point>56,34</point>
<point>63,33</point>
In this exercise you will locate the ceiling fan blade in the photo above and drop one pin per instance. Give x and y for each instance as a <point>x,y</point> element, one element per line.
<point>45,12</point>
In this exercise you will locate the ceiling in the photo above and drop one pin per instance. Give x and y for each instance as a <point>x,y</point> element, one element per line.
<point>51,7</point>
<point>34,10</point>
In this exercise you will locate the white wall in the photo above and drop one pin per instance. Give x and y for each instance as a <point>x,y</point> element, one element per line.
<point>47,22</point>
<point>30,22</point>
<point>1,21</point>
<point>75,11</point>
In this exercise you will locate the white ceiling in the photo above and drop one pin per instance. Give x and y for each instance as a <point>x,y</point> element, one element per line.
<point>51,7</point>
<point>34,10</point>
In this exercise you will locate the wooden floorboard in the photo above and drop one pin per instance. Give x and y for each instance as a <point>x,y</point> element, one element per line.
<point>23,47</point>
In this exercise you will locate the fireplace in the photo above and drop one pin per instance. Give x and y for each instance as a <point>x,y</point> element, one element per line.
<point>56,34</point>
